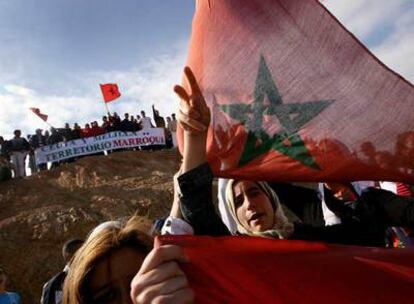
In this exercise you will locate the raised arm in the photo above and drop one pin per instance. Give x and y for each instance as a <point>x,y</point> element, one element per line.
<point>195,179</point>
<point>194,117</point>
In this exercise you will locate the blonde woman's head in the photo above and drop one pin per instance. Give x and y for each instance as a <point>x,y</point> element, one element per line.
<point>102,269</point>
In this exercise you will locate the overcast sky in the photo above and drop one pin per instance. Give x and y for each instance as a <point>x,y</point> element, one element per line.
<point>54,53</point>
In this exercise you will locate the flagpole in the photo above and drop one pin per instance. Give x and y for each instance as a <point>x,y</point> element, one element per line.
<point>107,108</point>
<point>49,124</point>
<point>46,123</point>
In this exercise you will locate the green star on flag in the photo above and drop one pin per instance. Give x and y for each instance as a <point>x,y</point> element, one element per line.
<point>292,117</point>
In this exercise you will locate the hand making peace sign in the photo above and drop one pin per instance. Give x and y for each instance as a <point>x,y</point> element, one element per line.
<point>194,115</point>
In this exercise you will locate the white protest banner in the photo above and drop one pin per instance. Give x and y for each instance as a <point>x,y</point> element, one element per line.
<point>91,145</point>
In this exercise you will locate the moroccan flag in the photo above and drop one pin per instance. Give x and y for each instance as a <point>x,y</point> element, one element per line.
<point>110,91</point>
<point>259,270</point>
<point>296,97</point>
<point>39,114</point>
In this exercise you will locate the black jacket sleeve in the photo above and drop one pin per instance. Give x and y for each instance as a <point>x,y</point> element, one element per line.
<point>196,202</point>
<point>387,207</point>
<point>345,234</point>
<point>54,285</point>
<point>26,145</point>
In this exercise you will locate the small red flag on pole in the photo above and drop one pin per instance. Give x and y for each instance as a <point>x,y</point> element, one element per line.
<point>39,114</point>
<point>110,91</point>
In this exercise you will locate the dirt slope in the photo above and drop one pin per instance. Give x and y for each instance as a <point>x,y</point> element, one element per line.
<point>38,214</point>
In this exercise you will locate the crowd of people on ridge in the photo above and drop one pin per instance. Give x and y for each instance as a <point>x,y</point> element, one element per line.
<point>14,151</point>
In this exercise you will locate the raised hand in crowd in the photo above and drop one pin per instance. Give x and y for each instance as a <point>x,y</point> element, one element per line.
<point>194,117</point>
<point>160,279</point>
<point>194,114</point>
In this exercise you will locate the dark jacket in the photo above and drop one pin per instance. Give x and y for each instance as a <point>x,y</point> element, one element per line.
<point>127,126</point>
<point>374,211</point>
<point>18,144</point>
<point>37,141</point>
<point>68,134</point>
<point>53,289</point>
<point>5,149</point>
<point>303,202</point>
<point>54,138</point>
<point>159,120</point>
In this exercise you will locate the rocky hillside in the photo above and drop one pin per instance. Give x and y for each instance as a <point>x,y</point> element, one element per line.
<point>38,214</point>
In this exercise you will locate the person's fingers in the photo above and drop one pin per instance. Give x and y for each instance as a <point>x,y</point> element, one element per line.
<point>182,296</point>
<point>193,123</point>
<point>184,126</point>
<point>154,276</point>
<point>185,103</point>
<point>161,255</point>
<point>194,107</point>
<point>182,93</point>
<point>166,287</point>
<point>188,110</point>
<point>195,89</point>
<point>189,128</point>
<point>197,101</point>
<point>186,114</point>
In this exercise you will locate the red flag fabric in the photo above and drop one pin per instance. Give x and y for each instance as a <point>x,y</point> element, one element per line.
<point>110,91</point>
<point>296,97</point>
<point>258,270</point>
<point>403,189</point>
<point>39,114</point>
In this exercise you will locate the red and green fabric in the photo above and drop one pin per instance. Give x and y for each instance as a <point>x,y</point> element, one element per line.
<point>294,96</point>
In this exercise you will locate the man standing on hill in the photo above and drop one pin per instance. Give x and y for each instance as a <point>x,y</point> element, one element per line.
<point>52,292</point>
<point>36,141</point>
<point>159,120</point>
<point>172,126</point>
<point>19,147</point>
<point>145,122</point>
<point>54,138</point>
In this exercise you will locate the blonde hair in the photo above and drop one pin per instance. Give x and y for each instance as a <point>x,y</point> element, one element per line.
<point>102,241</point>
<point>283,227</point>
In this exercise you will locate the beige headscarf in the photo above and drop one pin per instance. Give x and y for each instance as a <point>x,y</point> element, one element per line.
<point>282,229</point>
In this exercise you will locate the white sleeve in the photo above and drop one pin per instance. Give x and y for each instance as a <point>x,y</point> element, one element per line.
<point>176,226</point>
